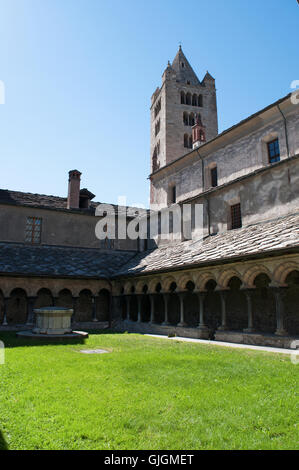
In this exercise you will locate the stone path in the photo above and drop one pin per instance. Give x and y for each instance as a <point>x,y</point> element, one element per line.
<point>228,345</point>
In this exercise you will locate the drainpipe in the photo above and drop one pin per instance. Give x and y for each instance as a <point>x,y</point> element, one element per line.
<point>203,188</point>
<point>286,130</point>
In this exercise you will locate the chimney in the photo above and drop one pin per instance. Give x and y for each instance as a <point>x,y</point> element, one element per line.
<point>198,133</point>
<point>73,197</point>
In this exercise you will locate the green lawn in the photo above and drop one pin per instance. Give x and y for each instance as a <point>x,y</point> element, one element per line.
<point>147,394</point>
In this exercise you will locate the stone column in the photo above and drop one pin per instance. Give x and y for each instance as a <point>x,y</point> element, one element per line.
<point>248,293</point>
<point>152,301</point>
<point>94,309</point>
<point>30,307</point>
<point>182,316</point>
<point>280,331</point>
<point>6,299</point>
<point>139,303</point>
<point>166,300</point>
<point>128,301</point>
<point>201,298</point>
<point>223,326</point>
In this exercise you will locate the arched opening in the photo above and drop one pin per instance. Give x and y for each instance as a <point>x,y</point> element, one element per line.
<point>191,306</point>
<point>124,308</point>
<point>44,299</point>
<point>17,307</point>
<point>212,306</point>
<point>186,119</point>
<point>173,306</point>
<point>236,306</point>
<point>190,142</point>
<point>145,309</point>
<point>263,305</point>
<point>84,306</point>
<point>194,100</point>
<point>188,98</point>
<point>200,101</point>
<point>191,119</point>
<point>103,305</point>
<point>291,303</point>
<point>186,141</point>
<point>183,98</point>
<point>65,299</point>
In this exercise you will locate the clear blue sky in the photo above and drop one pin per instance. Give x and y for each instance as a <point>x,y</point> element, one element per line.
<point>79,75</point>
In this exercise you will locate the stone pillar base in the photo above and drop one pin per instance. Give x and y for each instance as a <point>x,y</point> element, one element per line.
<point>182,325</point>
<point>249,330</point>
<point>203,332</point>
<point>281,333</point>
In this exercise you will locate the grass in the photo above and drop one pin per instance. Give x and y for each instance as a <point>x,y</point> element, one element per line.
<point>147,394</point>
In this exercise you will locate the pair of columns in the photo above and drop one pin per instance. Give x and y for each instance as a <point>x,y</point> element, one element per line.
<point>280,330</point>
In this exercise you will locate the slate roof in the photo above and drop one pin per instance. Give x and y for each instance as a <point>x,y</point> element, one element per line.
<point>42,201</point>
<point>259,239</point>
<point>52,261</point>
<point>184,74</point>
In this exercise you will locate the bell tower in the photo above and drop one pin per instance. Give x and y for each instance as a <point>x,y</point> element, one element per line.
<point>176,105</point>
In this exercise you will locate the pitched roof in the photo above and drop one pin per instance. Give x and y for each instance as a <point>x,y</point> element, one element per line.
<point>258,239</point>
<point>183,69</point>
<point>53,261</point>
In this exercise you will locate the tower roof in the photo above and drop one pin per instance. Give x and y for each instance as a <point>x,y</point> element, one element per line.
<point>183,69</point>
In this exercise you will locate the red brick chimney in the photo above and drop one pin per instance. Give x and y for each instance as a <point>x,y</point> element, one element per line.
<point>73,198</point>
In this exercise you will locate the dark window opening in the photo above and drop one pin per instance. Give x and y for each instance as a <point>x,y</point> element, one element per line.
<point>236,216</point>
<point>173,195</point>
<point>274,151</point>
<point>214,177</point>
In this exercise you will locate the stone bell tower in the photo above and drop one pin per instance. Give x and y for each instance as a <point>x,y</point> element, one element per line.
<point>175,106</point>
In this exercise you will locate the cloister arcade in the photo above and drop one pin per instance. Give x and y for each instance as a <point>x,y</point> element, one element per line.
<point>257,300</point>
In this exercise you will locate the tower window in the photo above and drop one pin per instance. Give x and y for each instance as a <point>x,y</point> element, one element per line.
<point>183,98</point>
<point>157,128</point>
<point>173,195</point>
<point>33,230</point>
<point>274,151</point>
<point>200,101</point>
<point>214,177</point>
<point>158,108</point>
<point>183,65</point>
<point>236,216</point>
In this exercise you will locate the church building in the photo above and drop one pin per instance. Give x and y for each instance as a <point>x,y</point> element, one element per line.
<point>236,281</point>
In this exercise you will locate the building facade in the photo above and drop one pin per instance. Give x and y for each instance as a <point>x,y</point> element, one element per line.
<point>236,280</point>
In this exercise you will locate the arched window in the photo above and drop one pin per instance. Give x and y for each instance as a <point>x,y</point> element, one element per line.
<point>183,98</point>
<point>190,142</point>
<point>194,100</point>
<point>186,141</point>
<point>200,101</point>
<point>186,119</point>
<point>191,120</point>
<point>188,98</point>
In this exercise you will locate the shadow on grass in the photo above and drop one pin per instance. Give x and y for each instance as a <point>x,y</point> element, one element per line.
<point>3,444</point>
<point>12,341</point>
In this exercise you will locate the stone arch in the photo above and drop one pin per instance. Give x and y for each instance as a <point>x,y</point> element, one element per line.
<point>17,307</point>
<point>139,287</point>
<point>254,271</point>
<point>183,280</point>
<point>263,304</point>
<point>127,287</point>
<point>200,101</point>
<point>202,279</point>
<point>212,303</point>
<point>166,283</point>
<point>188,98</point>
<point>152,285</point>
<point>44,298</point>
<point>183,97</point>
<point>237,318</point>
<point>84,306</point>
<point>64,299</point>
<point>225,276</point>
<point>283,270</point>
